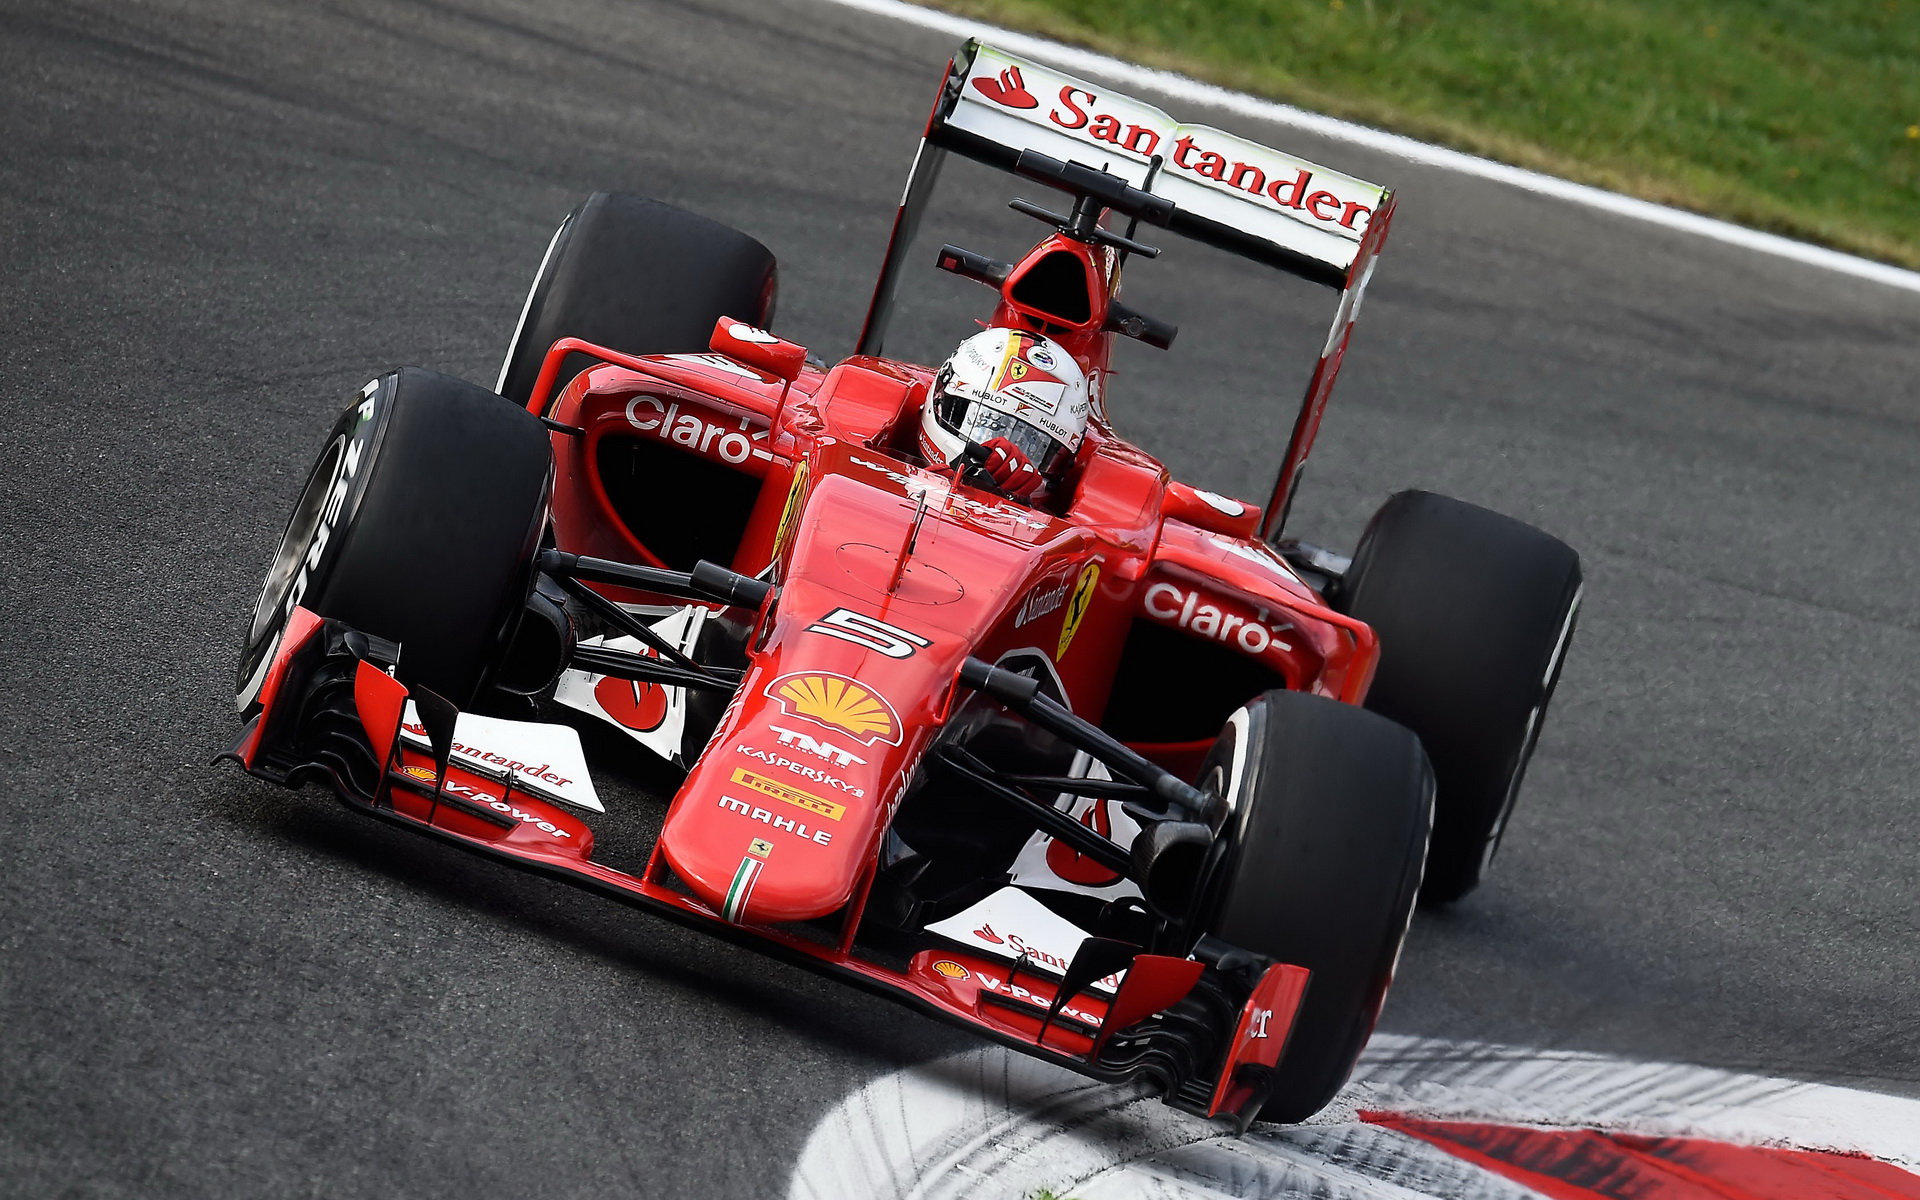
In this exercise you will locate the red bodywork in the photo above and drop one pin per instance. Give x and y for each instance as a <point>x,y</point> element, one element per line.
<point>832,450</point>
<point>1131,592</point>
<point>837,500</point>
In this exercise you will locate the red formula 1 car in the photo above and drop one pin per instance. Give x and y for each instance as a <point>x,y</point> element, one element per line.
<point>1112,775</point>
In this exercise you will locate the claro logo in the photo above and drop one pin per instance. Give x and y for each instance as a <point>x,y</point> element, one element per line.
<point>690,428</point>
<point>1186,610</point>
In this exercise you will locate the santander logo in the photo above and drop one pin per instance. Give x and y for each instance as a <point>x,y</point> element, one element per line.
<point>1009,89</point>
<point>1274,181</point>
<point>986,934</point>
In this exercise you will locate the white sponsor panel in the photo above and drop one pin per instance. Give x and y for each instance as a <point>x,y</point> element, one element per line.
<point>545,760</point>
<point>616,701</point>
<point>1278,197</point>
<point>1045,863</point>
<point>1193,91</point>
<point>1011,925</point>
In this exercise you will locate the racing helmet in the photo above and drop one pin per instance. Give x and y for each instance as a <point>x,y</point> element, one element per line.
<point>1011,384</point>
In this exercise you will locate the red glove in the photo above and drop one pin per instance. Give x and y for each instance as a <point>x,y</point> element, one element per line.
<point>1010,468</point>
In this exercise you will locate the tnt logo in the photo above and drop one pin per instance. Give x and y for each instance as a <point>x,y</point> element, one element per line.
<point>793,739</point>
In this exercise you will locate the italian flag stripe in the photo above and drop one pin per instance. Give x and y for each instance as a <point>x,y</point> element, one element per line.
<point>740,889</point>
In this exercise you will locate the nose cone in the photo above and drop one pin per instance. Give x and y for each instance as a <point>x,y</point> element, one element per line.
<point>778,820</point>
<point>781,818</point>
<point>759,844</point>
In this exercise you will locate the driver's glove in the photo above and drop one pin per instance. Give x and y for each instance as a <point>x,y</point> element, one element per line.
<point>1012,472</point>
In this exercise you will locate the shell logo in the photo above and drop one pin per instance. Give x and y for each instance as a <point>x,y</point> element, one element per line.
<point>421,773</point>
<point>951,969</point>
<point>837,703</point>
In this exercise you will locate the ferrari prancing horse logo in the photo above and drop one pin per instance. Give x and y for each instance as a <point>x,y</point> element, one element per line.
<point>789,514</point>
<point>1077,607</point>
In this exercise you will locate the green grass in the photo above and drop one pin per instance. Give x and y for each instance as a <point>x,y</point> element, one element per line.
<point>1797,116</point>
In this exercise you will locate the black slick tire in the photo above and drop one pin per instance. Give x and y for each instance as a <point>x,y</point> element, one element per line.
<point>418,524</point>
<point>1474,612</point>
<point>1330,814</point>
<point>640,277</point>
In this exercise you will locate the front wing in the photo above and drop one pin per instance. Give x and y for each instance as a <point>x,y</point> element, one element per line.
<point>1206,1035</point>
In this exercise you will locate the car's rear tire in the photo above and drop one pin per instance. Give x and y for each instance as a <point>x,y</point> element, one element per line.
<point>417,524</point>
<point>1330,814</point>
<point>640,277</point>
<point>1474,612</point>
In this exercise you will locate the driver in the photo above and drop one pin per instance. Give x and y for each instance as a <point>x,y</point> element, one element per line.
<point>1014,403</point>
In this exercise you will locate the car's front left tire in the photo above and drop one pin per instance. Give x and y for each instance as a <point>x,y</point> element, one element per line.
<point>418,524</point>
<point>1331,808</point>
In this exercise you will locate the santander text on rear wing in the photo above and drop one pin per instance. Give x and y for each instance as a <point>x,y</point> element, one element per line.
<point>1227,191</point>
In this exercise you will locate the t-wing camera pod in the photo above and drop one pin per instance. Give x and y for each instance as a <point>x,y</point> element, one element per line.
<point>1095,193</point>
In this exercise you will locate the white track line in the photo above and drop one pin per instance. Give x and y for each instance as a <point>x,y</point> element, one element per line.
<point>990,1123</point>
<point>1181,87</point>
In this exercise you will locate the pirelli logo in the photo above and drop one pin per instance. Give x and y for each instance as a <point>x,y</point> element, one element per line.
<point>817,805</point>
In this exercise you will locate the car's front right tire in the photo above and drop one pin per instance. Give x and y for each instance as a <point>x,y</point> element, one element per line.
<point>640,277</point>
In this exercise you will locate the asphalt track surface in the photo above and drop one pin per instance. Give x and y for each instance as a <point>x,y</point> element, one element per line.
<point>220,218</point>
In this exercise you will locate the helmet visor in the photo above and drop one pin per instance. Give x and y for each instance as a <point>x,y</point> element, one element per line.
<point>981,424</point>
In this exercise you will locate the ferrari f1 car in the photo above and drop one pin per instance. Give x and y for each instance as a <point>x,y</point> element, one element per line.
<point>1119,777</point>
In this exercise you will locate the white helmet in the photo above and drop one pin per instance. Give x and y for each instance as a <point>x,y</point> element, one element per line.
<point>1010,384</point>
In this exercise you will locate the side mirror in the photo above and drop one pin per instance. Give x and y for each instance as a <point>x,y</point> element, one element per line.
<point>758,349</point>
<point>1210,511</point>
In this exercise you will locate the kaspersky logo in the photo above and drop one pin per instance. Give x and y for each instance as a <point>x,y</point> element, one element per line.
<point>838,703</point>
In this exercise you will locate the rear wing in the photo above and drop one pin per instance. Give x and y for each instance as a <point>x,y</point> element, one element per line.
<point>1229,192</point>
<point>1262,204</point>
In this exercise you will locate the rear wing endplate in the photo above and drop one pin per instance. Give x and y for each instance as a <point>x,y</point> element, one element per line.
<point>1262,204</point>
